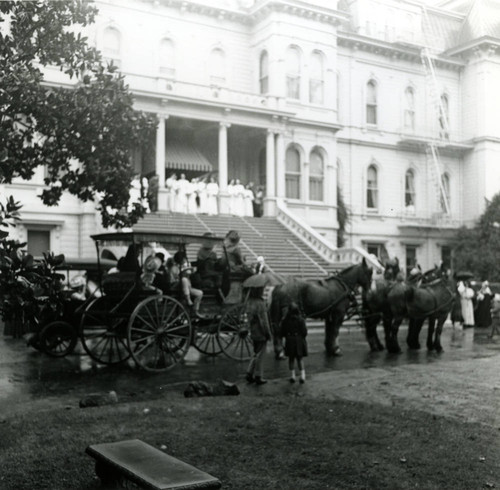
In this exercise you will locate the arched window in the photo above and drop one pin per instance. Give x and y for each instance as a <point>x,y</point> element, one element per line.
<point>317,78</point>
<point>292,175</point>
<point>264,73</point>
<point>293,71</point>
<point>316,176</point>
<point>112,46</point>
<point>167,58</point>
<point>409,110</point>
<point>371,102</point>
<point>372,188</point>
<point>217,67</point>
<point>444,117</point>
<point>445,200</point>
<point>410,191</point>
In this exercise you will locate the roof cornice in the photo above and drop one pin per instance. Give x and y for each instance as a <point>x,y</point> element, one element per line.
<point>482,42</point>
<point>393,50</point>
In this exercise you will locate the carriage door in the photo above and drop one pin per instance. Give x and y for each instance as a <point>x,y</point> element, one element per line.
<point>411,258</point>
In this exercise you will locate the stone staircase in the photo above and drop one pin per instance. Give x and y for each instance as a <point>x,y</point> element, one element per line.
<point>285,253</point>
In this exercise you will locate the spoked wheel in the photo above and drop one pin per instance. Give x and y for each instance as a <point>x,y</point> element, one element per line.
<point>104,335</point>
<point>205,338</point>
<point>58,339</point>
<point>159,333</point>
<point>234,334</point>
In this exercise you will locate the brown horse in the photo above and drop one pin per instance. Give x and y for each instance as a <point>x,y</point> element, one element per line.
<point>327,299</point>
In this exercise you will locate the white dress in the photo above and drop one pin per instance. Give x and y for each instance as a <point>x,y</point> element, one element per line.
<point>248,202</point>
<point>239,203</point>
<point>134,194</point>
<point>181,196</point>
<point>212,193</point>
<point>191,188</point>
<point>232,198</point>
<point>171,185</point>
<point>144,197</point>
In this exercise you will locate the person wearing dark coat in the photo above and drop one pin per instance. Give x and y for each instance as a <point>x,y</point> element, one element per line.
<point>482,313</point>
<point>294,330</point>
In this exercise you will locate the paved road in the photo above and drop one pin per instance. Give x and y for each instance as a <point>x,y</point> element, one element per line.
<point>27,375</point>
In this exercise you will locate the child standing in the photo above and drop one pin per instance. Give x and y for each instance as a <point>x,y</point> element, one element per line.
<point>293,328</point>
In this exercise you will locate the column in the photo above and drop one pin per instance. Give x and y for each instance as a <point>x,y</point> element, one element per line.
<point>223,155</point>
<point>270,165</point>
<point>280,165</point>
<point>160,150</point>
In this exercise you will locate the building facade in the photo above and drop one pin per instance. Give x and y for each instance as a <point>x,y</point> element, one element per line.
<point>391,102</point>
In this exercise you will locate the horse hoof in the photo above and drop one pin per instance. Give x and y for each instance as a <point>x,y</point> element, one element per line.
<point>439,349</point>
<point>430,347</point>
<point>413,346</point>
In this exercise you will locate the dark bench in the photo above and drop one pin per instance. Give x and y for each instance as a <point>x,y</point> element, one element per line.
<point>146,466</point>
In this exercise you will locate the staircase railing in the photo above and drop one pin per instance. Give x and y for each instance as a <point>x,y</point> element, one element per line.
<point>321,245</point>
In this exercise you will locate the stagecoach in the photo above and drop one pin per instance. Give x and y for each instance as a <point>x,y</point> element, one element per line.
<point>156,329</point>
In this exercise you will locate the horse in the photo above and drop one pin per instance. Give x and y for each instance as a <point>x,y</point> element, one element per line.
<point>327,299</point>
<point>376,307</point>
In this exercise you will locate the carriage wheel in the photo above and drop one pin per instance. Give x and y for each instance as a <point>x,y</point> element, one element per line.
<point>103,335</point>
<point>234,334</point>
<point>159,333</point>
<point>206,339</point>
<point>58,339</point>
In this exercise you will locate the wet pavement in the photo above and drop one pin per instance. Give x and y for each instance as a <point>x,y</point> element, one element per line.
<point>27,375</point>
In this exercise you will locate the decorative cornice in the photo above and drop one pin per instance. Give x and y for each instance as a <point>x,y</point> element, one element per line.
<point>486,44</point>
<point>403,52</point>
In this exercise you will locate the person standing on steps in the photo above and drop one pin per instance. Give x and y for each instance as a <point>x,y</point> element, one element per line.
<point>294,330</point>
<point>260,333</point>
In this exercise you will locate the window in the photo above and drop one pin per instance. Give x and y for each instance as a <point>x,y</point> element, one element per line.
<point>377,249</point>
<point>372,188</point>
<point>167,58</point>
<point>292,175</point>
<point>371,102</point>
<point>112,46</point>
<point>445,199</point>
<point>410,191</point>
<point>411,258</point>
<point>38,242</point>
<point>217,67</point>
<point>316,176</point>
<point>409,111</point>
<point>264,73</point>
<point>293,63</point>
<point>317,78</point>
<point>444,117</point>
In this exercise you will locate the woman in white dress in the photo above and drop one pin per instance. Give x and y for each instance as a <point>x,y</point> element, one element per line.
<point>191,191</point>
<point>232,196</point>
<point>239,203</point>
<point>181,195</point>
<point>248,200</point>
<point>134,193</point>
<point>144,194</point>
<point>212,193</point>
<point>171,186</point>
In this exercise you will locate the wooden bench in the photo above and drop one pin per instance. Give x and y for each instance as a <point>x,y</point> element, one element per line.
<point>145,466</point>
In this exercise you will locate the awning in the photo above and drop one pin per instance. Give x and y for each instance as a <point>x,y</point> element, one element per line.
<point>181,156</point>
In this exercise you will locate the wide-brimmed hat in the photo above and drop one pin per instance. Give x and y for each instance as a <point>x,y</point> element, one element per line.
<point>152,264</point>
<point>77,282</point>
<point>186,268</point>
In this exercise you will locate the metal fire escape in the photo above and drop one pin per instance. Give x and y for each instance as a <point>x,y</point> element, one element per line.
<point>433,161</point>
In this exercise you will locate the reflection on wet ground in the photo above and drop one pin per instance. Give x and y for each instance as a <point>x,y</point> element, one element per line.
<point>26,373</point>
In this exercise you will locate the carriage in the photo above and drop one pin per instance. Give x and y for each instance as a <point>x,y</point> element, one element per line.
<point>157,329</point>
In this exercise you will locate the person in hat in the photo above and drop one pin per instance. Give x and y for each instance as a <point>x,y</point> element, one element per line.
<point>151,266</point>
<point>193,296</point>
<point>482,313</point>
<point>260,267</point>
<point>78,285</point>
<point>495,315</point>
<point>294,330</point>
<point>466,295</point>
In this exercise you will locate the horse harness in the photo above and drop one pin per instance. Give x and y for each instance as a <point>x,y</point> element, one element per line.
<point>428,288</point>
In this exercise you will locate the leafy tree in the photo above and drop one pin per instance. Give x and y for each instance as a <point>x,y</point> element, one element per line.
<point>92,122</point>
<point>478,249</point>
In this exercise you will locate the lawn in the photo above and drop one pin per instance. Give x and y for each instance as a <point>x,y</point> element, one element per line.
<point>254,441</point>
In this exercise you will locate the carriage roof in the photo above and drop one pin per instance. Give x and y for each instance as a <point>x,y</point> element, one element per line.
<point>165,239</point>
<point>87,264</point>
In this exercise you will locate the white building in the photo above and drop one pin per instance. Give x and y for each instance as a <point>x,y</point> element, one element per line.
<point>305,96</point>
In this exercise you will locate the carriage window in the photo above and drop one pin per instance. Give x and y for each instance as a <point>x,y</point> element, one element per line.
<point>316,177</point>
<point>316,80</point>
<point>293,73</point>
<point>371,102</point>
<point>410,191</point>
<point>411,258</point>
<point>409,112</point>
<point>372,188</point>
<point>292,176</point>
<point>264,73</point>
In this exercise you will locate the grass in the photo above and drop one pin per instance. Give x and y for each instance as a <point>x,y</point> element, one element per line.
<point>283,441</point>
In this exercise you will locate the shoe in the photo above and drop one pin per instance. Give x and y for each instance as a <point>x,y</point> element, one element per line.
<point>260,381</point>
<point>249,377</point>
<point>292,380</point>
<point>302,381</point>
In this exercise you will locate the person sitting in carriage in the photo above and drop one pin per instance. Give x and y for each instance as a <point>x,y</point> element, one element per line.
<point>235,259</point>
<point>151,267</point>
<point>192,295</point>
<point>206,275</point>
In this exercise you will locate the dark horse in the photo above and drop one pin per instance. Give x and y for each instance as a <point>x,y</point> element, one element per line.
<point>387,300</point>
<point>327,299</point>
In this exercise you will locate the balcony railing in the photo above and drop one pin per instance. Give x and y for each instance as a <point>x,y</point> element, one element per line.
<point>430,220</point>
